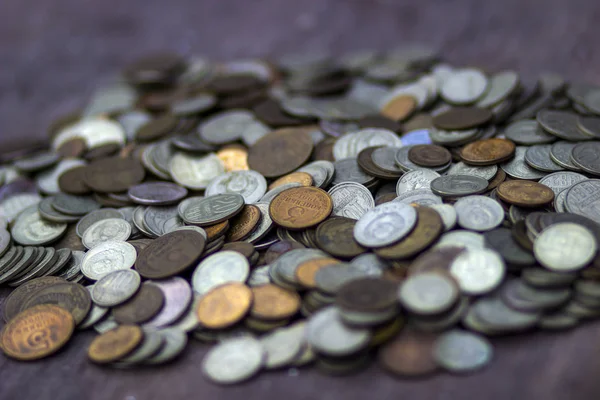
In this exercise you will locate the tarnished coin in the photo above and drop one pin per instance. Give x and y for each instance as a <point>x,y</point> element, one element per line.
<point>249,184</point>
<point>47,181</point>
<point>31,230</point>
<point>70,296</point>
<point>565,247</point>
<point>170,254</point>
<point>460,351</point>
<point>458,185</point>
<point>460,118</point>
<point>336,237</point>
<point>225,127</point>
<point>113,175</point>
<point>429,155</point>
<point>107,257</point>
<point>589,125</point>
<point>428,293</point>
<point>300,208</point>
<point>525,193</point>
<point>95,216</point>
<point>156,193</point>
<point>403,161</point>
<point>538,157</point>
<point>195,172</point>
<point>369,294</point>
<point>233,360</point>
<point>220,268</point>
<point>145,304</point>
<point>464,86</point>
<point>74,205</point>
<point>244,223</point>
<point>562,124</point>
<point>21,337</point>
<point>224,305</point>
<point>503,242</point>
<point>115,344</point>
<point>478,271</point>
<point>479,213</point>
<point>213,209</point>
<point>487,152</point>
<point>585,156</point>
<point>264,226</point>
<point>327,334</point>
<point>178,297</point>
<point>331,278</point>
<point>527,132</point>
<point>384,158</point>
<point>409,354</point>
<point>385,224</point>
<point>519,169</point>
<point>12,304</point>
<point>109,229</point>
<point>273,303</point>
<point>116,287</point>
<point>351,200</point>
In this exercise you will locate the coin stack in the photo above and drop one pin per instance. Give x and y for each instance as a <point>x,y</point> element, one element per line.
<point>305,210</point>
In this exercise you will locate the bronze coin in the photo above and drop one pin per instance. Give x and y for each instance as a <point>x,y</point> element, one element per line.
<point>157,128</point>
<point>273,303</point>
<point>379,121</point>
<point>144,305</point>
<point>72,181</point>
<point>525,193</point>
<point>224,306</point>
<point>247,99</point>
<point>271,114</point>
<point>280,152</point>
<point>418,121</point>
<point>72,148</point>
<point>302,178</point>
<point>115,344</point>
<point>436,260</point>
<point>305,272</point>
<point>428,229</point>
<point>409,354</point>
<point>460,118</point>
<point>488,151</point>
<point>170,254</point>
<point>15,300</point>
<point>106,150</point>
<point>324,150</point>
<point>70,296</point>
<point>429,155</point>
<point>279,248</point>
<point>244,248</point>
<point>365,162</point>
<point>496,180</point>
<point>399,108</point>
<point>369,294</point>
<point>244,223</point>
<point>300,207</point>
<point>216,231</point>
<point>336,237</point>
<point>113,175</point>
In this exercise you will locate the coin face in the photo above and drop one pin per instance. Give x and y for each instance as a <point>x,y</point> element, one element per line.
<point>399,108</point>
<point>525,193</point>
<point>195,172</point>
<point>115,344</point>
<point>336,237</point>
<point>70,296</point>
<point>327,334</point>
<point>300,208</point>
<point>112,175</point>
<point>220,268</point>
<point>145,304</point>
<point>224,305</point>
<point>273,303</point>
<point>479,213</point>
<point>538,157</point>
<point>156,193</point>
<point>429,155</point>
<point>249,184</point>
<point>234,158</point>
<point>385,224</point>
<point>244,223</point>
<point>565,247</point>
<point>461,351</point>
<point>488,151</point>
<point>458,185</point>
<point>478,271</point>
<point>13,303</point>
<point>519,169</point>
<point>409,354</point>
<point>178,296</point>
<point>428,293</point>
<point>109,229</point>
<point>528,132</point>
<point>306,271</point>
<point>560,181</point>
<point>234,360</point>
<point>108,257</point>
<point>37,332</point>
<point>116,288</point>
<point>583,199</point>
<point>460,118</point>
<point>95,216</point>
<point>31,230</point>
<point>464,86</point>
<point>213,209</point>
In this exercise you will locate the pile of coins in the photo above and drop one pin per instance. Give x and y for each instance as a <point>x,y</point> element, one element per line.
<point>305,210</point>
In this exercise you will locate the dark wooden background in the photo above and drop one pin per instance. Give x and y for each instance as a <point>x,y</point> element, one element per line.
<point>53,53</point>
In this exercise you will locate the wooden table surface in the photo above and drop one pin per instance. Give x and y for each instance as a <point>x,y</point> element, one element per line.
<point>53,53</point>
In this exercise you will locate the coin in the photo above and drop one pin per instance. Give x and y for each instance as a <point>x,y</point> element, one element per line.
<point>233,360</point>
<point>111,175</point>
<point>244,223</point>
<point>95,216</point>
<point>220,268</point>
<point>195,172</point>
<point>178,297</point>
<point>383,158</point>
<point>422,197</point>
<point>459,118</point>
<point>234,158</point>
<point>527,132</point>
<point>538,157</point>
<point>583,156</point>
<point>487,172</point>
<point>479,213</point>
<point>328,335</point>
<point>409,354</point>
<point>213,209</point>
<point>107,257</point>
<point>12,304</point>
<point>385,224</point>
<point>560,181</point>
<point>488,151</point>
<point>272,303</point>
<point>31,230</point>
<point>336,236</point>
<point>109,229</point>
<point>306,271</point>
<point>249,184</point>
<point>399,108</point>
<point>429,155</point>
<point>115,344</point>
<point>501,240</point>
<point>303,178</point>
<point>464,86</point>
<point>300,208</point>
<point>565,247</point>
<point>525,193</point>
<point>156,193</point>
<point>144,304</point>
<point>478,271</point>
<point>458,185</point>
<point>283,346</point>
<point>116,287</point>
<point>350,200</point>
<point>22,336</point>
<point>519,169</point>
<point>369,294</point>
<point>70,296</point>
<point>460,351</point>
<point>562,124</point>
<point>428,293</point>
<point>224,305</point>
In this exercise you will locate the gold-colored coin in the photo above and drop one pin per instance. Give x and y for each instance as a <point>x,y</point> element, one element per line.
<point>216,230</point>
<point>302,178</point>
<point>399,108</point>
<point>272,303</point>
<point>115,344</point>
<point>305,272</point>
<point>234,158</point>
<point>244,223</point>
<point>224,305</point>
<point>300,207</point>
<point>37,332</point>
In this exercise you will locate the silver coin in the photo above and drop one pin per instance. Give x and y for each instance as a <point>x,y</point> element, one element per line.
<point>584,155</point>
<point>282,346</point>
<point>460,351</point>
<point>351,144</point>
<point>562,124</point>
<point>583,198</point>
<point>453,138</point>
<point>49,213</point>
<point>385,224</point>
<point>30,229</point>
<point>116,287</point>
<point>253,132</point>
<point>538,157</point>
<point>560,181</point>
<point>264,225</point>
<point>26,265</point>
<point>249,184</point>
<point>422,197</point>
<point>36,162</point>
<point>462,238</point>
<point>321,171</point>
<point>464,86</point>
<point>156,193</point>
<point>95,216</point>
<point>5,241</point>
<point>565,247</point>
<point>74,205</point>
<point>178,297</point>
<point>370,262</point>
<point>385,158</point>
<point>519,169</point>
<point>347,170</point>
<point>138,221</point>
<point>175,341</point>
<point>161,220</point>
<point>351,200</point>
<point>448,214</point>
<point>501,86</point>
<point>108,257</point>
<point>328,335</point>
<point>11,264</point>
<point>110,229</point>
<point>133,120</point>
<point>189,320</point>
<point>527,132</point>
<point>458,185</point>
<point>415,179</point>
<point>560,153</point>
<point>259,276</point>
<point>479,213</point>
<point>225,127</point>
<point>331,278</point>
<point>271,194</point>
<point>195,172</point>
<point>95,314</point>
<point>13,205</point>
<point>219,268</point>
<point>213,209</point>
<point>478,271</point>
<point>194,105</point>
<point>63,257</point>
<point>127,213</point>
<point>105,324</point>
<point>153,342</point>
<point>73,267</point>
<point>233,360</point>
<point>285,266</point>
<point>428,293</point>
<point>487,172</point>
<point>559,201</point>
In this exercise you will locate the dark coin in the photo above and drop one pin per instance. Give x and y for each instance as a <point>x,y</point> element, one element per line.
<point>344,171</point>
<point>429,155</point>
<point>106,150</point>
<point>522,297</point>
<point>336,236</point>
<point>192,142</point>
<point>249,99</point>
<point>379,121</point>
<point>72,148</point>
<point>280,152</point>
<point>113,175</point>
<point>156,193</point>
<point>496,180</point>
<point>368,294</point>
<point>460,118</point>
<point>72,181</point>
<point>587,157</point>
<point>244,248</point>
<point>70,296</point>
<point>74,205</point>
<point>153,69</point>
<point>230,84</point>
<point>70,240</point>
<point>589,125</point>
<point>435,260</point>
<point>271,113</point>
<point>279,248</point>
<point>502,240</point>
<point>458,185</point>
<point>324,150</point>
<point>14,301</point>
<point>36,162</point>
<point>170,254</point>
<point>386,198</point>
<point>409,354</point>
<point>244,223</point>
<point>519,233</point>
<point>488,152</point>
<point>19,185</point>
<point>157,128</point>
<point>144,305</point>
<point>562,124</point>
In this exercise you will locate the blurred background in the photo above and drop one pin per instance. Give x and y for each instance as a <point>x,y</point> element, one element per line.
<point>54,53</point>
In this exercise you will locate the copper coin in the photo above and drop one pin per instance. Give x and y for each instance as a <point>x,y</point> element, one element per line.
<point>234,158</point>
<point>280,152</point>
<point>496,180</point>
<point>369,294</point>
<point>170,254</point>
<point>436,260</point>
<point>429,155</point>
<point>418,121</point>
<point>37,332</point>
<point>15,300</point>
<point>336,237</point>
<point>379,121</point>
<point>305,272</point>
<point>366,163</point>
<point>72,181</point>
<point>244,248</point>
<point>144,305</point>
<point>224,305</point>
<point>244,223</point>
<point>461,118</point>
<point>115,344</point>
<point>410,354</point>
<point>488,151</point>
<point>157,128</point>
<point>428,229</point>
<point>279,248</point>
<point>70,296</point>
<point>215,231</point>
<point>72,148</point>
<point>525,193</point>
<point>113,175</point>
<point>300,207</point>
<point>270,112</point>
<point>272,303</point>
<point>103,151</point>
<point>302,178</point>
<point>399,108</point>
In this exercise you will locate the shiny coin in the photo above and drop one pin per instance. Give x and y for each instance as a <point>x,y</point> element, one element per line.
<point>195,172</point>
<point>565,247</point>
<point>525,193</point>
<point>409,354</point>
<point>31,230</point>
<point>416,179</point>
<point>156,193</point>
<point>107,257</point>
<point>422,197</point>
<point>328,335</point>
<point>145,304</point>
<point>351,200</point>
<point>110,229</point>
<point>428,293</point>
<point>178,297</point>
<point>218,269</point>
<point>461,351</point>
<point>264,226</point>
<point>116,288</point>
<point>70,296</point>
<point>461,168</point>
<point>384,158</point>
<point>487,152</point>
<point>458,185</point>
<point>560,181</point>
<point>464,86</point>
<point>225,305</point>
<point>95,314</point>
<point>115,344</point>
<point>385,224</point>
<point>283,345</point>
<point>159,220</point>
<point>501,86</point>
<point>272,303</point>
<point>448,214</point>
<point>582,199</point>
<point>478,271</point>
<point>213,209</point>
<point>301,207</point>
<point>249,184</point>
<point>479,213</point>
<point>233,360</point>
<point>95,216</point>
